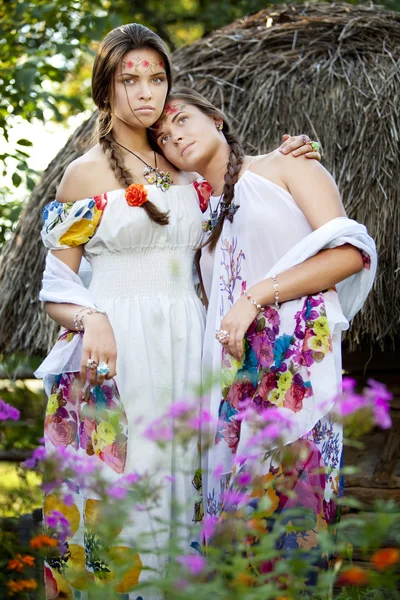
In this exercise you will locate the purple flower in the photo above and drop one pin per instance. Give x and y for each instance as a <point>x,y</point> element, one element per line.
<point>243,479</point>
<point>158,431</point>
<point>208,525</point>
<point>118,492</point>
<point>232,498</point>
<point>68,499</point>
<point>8,412</point>
<point>37,455</point>
<point>218,471</point>
<point>194,564</point>
<point>375,397</point>
<point>178,409</point>
<point>57,521</point>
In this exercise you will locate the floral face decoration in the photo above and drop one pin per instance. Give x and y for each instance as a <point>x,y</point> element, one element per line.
<point>140,65</point>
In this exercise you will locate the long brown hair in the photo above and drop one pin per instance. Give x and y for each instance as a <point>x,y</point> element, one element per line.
<point>108,58</point>
<point>236,155</point>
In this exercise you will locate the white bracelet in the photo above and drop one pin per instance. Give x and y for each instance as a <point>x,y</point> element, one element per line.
<point>275,285</point>
<point>88,310</point>
<point>244,293</point>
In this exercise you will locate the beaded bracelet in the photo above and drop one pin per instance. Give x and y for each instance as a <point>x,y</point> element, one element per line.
<point>78,322</point>
<point>275,285</point>
<point>248,296</point>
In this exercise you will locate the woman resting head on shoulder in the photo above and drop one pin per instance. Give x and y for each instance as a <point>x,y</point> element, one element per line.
<point>280,242</point>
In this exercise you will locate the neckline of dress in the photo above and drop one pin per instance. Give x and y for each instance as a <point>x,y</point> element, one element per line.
<point>150,185</point>
<point>268,181</point>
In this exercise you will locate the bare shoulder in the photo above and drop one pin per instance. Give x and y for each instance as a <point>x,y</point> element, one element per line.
<point>270,166</point>
<point>89,175</point>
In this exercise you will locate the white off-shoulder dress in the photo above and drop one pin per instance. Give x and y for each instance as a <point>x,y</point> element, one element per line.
<point>142,276</point>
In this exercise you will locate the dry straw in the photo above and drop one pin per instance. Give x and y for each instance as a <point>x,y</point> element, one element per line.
<point>332,71</point>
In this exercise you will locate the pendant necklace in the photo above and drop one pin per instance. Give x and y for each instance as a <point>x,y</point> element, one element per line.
<point>162,179</point>
<point>221,209</point>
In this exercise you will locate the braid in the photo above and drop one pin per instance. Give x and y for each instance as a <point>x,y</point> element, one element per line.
<point>116,161</point>
<point>235,163</point>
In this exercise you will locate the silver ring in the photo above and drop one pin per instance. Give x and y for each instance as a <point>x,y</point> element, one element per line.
<point>222,336</point>
<point>91,364</point>
<point>305,139</point>
<point>103,369</point>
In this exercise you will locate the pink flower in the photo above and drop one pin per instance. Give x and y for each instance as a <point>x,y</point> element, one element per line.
<point>231,498</point>
<point>178,408</point>
<point>60,431</point>
<point>194,564</point>
<point>243,479</point>
<point>218,471</point>
<point>263,349</point>
<point>8,412</point>
<point>376,397</point>
<point>159,432</point>
<point>231,434</point>
<point>239,391</point>
<point>117,492</point>
<point>208,525</point>
<point>294,398</point>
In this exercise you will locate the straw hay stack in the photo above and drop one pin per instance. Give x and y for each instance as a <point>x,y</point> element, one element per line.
<point>331,71</point>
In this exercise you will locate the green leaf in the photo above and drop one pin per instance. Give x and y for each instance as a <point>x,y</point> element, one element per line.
<point>30,183</point>
<point>23,142</point>
<point>16,179</point>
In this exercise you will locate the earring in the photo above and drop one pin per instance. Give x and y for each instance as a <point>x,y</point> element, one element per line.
<point>219,126</point>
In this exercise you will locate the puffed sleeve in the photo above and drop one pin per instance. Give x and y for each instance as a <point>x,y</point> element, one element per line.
<point>69,224</point>
<point>204,191</point>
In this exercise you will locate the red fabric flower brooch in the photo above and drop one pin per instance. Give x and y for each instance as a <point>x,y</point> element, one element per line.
<point>136,194</point>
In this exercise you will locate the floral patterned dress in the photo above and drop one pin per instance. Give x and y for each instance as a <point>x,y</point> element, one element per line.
<point>142,276</point>
<point>292,361</point>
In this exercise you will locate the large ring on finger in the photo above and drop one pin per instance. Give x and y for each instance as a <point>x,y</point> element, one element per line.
<point>305,139</point>
<point>103,369</point>
<point>315,146</point>
<point>222,336</point>
<point>91,364</point>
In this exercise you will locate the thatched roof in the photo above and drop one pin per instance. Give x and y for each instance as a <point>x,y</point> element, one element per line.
<point>332,71</point>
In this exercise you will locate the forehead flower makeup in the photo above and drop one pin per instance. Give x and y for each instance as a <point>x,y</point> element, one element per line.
<point>169,109</point>
<point>140,64</point>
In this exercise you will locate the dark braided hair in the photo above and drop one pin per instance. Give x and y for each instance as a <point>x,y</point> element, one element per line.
<point>236,156</point>
<point>108,59</point>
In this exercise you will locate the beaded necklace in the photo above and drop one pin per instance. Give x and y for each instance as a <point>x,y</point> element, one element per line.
<point>162,179</point>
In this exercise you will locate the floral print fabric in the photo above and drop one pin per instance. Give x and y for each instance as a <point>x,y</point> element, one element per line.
<point>89,420</point>
<point>69,224</point>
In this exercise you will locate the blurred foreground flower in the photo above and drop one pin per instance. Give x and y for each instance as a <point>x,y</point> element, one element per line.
<point>23,585</point>
<point>375,398</point>
<point>20,562</point>
<point>195,564</point>
<point>8,412</point>
<point>41,541</point>
<point>355,576</point>
<point>385,558</point>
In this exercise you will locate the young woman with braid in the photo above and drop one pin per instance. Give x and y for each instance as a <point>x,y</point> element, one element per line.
<point>140,324</point>
<point>277,242</point>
